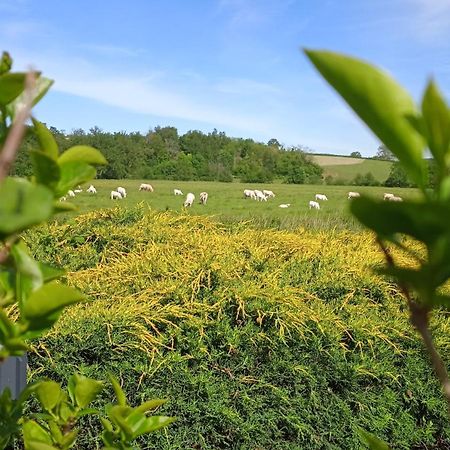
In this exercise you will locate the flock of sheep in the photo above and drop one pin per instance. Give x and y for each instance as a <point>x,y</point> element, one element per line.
<point>254,194</point>
<point>121,193</point>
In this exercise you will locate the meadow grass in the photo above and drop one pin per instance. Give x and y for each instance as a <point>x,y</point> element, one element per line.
<point>347,172</point>
<point>226,202</point>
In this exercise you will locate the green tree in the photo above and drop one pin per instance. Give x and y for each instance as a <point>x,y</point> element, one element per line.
<point>355,155</point>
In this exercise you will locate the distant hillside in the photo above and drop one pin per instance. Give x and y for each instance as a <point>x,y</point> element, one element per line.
<point>346,168</point>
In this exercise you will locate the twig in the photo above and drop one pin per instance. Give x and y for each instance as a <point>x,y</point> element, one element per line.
<point>14,138</point>
<point>420,318</point>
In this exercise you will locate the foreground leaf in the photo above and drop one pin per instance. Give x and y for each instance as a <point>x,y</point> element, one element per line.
<point>380,102</point>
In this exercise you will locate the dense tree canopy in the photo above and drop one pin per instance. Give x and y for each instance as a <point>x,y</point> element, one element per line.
<point>163,154</point>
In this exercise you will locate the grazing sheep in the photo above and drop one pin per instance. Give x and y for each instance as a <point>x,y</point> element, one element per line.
<point>394,198</point>
<point>116,195</point>
<point>78,191</point>
<point>189,200</point>
<point>284,205</point>
<point>260,196</point>
<point>269,194</point>
<point>177,192</point>
<point>122,191</point>
<point>388,196</point>
<point>91,189</point>
<point>70,193</point>
<point>146,187</point>
<point>313,204</point>
<point>249,193</point>
<point>321,197</point>
<point>63,199</point>
<point>203,198</point>
<point>353,195</point>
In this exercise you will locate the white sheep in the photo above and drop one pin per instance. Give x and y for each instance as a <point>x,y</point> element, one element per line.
<point>249,193</point>
<point>313,204</point>
<point>177,192</point>
<point>116,195</point>
<point>260,196</point>
<point>321,197</point>
<point>91,189</point>
<point>268,194</point>
<point>394,198</point>
<point>284,205</point>
<point>353,195</point>
<point>63,199</point>
<point>388,196</point>
<point>203,198</point>
<point>70,193</point>
<point>189,200</point>
<point>122,192</point>
<point>146,187</point>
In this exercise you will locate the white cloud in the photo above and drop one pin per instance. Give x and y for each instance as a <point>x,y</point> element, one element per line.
<point>242,86</point>
<point>112,50</point>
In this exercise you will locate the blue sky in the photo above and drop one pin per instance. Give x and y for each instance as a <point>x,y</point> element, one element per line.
<point>233,65</point>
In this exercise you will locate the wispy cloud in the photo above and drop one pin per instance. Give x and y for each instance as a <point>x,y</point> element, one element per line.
<point>112,50</point>
<point>242,86</point>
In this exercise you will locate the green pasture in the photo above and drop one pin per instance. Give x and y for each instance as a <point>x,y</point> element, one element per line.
<point>226,201</point>
<point>379,169</point>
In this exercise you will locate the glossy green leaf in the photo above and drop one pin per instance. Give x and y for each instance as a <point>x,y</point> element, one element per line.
<point>32,431</point>
<point>423,221</point>
<point>120,395</point>
<point>83,390</point>
<point>5,63</point>
<point>149,405</point>
<point>82,153</point>
<point>49,394</point>
<point>46,170</point>
<point>41,86</point>
<point>47,143</point>
<point>153,423</point>
<point>380,102</point>
<point>62,207</point>
<point>35,445</point>
<point>49,272</point>
<point>436,117</point>
<point>11,86</point>
<point>23,205</point>
<point>118,415</point>
<point>371,441</point>
<point>28,274</point>
<point>74,173</point>
<point>49,299</point>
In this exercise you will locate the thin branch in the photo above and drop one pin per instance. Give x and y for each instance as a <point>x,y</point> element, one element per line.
<point>15,135</point>
<point>420,318</point>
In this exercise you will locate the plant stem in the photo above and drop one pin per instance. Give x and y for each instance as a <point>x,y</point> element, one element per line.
<point>420,318</point>
<point>14,138</point>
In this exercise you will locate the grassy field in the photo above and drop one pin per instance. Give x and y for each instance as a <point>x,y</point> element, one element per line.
<point>226,201</point>
<point>346,169</point>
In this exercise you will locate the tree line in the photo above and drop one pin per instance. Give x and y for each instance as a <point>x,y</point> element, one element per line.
<point>164,154</point>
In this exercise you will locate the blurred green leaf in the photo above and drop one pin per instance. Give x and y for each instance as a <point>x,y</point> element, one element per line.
<point>46,141</point>
<point>41,86</point>
<point>436,117</point>
<point>82,153</point>
<point>32,431</point>
<point>83,390</point>
<point>5,63</point>
<point>45,169</point>
<point>380,102</point>
<point>371,441</point>
<point>72,174</point>
<point>120,395</point>
<point>49,272</point>
<point>423,221</point>
<point>149,405</point>
<point>49,394</point>
<point>49,299</point>
<point>11,86</point>
<point>61,207</point>
<point>23,205</point>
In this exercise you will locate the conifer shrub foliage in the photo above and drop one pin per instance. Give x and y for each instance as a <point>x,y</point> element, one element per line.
<point>32,297</point>
<point>260,338</point>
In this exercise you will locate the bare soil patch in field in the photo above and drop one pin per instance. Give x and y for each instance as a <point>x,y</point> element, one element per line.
<point>324,160</point>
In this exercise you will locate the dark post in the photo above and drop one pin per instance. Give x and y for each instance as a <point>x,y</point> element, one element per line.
<point>13,374</point>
